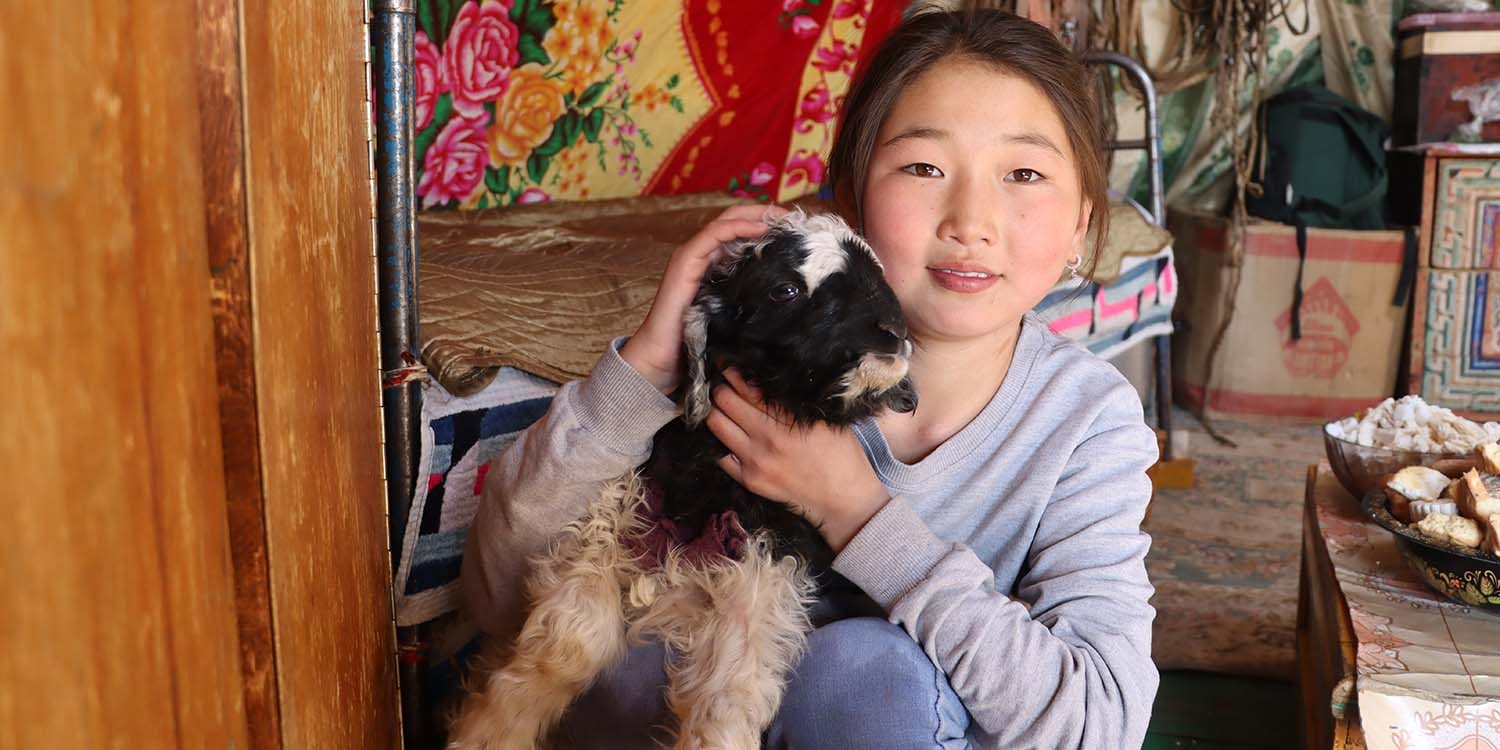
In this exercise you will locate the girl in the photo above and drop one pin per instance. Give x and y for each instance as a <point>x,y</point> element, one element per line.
<point>997,528</point>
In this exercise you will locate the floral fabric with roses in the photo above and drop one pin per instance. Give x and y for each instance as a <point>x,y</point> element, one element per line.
<point>521,101</point>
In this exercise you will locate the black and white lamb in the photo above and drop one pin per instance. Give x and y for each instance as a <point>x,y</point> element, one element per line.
<point>680,552</point>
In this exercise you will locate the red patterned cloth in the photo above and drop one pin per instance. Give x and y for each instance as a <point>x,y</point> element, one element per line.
<point>520,101</point>
<point>723,537</point>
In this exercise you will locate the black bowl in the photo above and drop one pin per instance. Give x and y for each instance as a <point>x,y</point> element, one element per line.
<point>1463,575</point>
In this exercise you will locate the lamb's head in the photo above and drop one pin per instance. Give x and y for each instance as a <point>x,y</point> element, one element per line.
<point>804,314</point>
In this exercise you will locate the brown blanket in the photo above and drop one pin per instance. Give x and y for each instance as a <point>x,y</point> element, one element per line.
<point>543,288</point>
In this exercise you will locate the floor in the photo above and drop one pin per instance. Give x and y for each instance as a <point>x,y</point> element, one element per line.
<point>1224,561</point>
<point>1224,554</point>
<point>1217,712</point>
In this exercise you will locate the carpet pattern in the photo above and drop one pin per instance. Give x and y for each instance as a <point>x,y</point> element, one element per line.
<point>1224,555</point>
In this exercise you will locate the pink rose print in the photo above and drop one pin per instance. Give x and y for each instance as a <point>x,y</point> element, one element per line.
<point>816,108</point>
<point>454,165</point>
<point>532,195</point>
<point>479,54</point>
<point>839,56</point>
<point>429,74</point>
<point>848,9</point>
<point>804,165</point>
<point>762,173</point>
<point>804,26</point>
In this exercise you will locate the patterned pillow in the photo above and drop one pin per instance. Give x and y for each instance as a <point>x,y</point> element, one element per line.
<point>521,101</point>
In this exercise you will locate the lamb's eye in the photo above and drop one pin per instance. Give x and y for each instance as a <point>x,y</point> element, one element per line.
<point>784,292</point>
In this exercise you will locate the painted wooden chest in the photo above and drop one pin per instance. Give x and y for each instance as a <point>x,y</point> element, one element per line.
<point>1455,355</point>
<point>1440,54</point>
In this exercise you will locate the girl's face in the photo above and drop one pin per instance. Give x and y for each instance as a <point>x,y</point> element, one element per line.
<point>972,201</point>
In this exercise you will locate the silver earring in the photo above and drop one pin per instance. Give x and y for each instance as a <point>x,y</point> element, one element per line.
<point>1074,263</point>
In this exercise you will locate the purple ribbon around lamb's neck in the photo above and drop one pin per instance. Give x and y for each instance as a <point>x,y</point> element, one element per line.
<point>722,537</point>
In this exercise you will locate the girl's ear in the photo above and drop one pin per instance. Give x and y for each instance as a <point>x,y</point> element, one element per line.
<point>1079,245</point>
<point>1080,232</point>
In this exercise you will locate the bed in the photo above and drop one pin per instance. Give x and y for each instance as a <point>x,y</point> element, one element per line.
<point>502,305</point>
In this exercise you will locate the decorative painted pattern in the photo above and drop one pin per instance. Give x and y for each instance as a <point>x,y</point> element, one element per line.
<point>1464,232</point>
<point>1461,344</point>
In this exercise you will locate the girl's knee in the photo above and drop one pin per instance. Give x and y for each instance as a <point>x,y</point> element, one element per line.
<point>865,679</point>
<point>864,645</point>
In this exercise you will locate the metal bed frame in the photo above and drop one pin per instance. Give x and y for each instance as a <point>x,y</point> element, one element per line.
<point>1151,144</point>
<point>393,37</point>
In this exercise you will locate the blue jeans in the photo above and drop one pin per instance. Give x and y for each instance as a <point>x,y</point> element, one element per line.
<point>864,683</point>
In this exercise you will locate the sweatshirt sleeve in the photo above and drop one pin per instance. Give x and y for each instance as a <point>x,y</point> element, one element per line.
<point>595,430</point>
<point>1066,663</point>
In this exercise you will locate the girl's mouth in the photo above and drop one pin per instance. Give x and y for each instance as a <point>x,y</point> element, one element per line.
<point>963,281</point>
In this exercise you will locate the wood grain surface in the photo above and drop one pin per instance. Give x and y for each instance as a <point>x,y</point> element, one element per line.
<point>312,280</point>
<point>118,630</point>
<point>219,76</point>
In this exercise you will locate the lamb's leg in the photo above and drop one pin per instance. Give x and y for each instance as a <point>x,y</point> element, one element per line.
<point>575,630</point>
<point>727,686</point>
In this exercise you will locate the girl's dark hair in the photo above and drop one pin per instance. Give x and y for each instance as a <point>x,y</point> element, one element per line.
<point>1008,43</point>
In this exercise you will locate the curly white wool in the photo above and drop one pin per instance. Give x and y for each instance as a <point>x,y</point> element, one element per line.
<point>1409,423</point>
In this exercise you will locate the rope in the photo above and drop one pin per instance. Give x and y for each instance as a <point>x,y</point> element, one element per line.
<point>1243,36</point>
<point>1228,40</point>
<point>412,371</point>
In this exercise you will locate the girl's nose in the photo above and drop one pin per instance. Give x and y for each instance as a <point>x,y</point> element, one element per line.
<point>969,217</point>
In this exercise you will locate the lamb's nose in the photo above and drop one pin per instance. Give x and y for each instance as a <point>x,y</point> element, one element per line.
<point>895,328</point>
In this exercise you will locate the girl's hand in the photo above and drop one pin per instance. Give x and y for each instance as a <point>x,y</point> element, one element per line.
<point>819,470</point>
<point>655,350</point>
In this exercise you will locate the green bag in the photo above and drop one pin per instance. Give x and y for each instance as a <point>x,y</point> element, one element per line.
<point>1320,162</point>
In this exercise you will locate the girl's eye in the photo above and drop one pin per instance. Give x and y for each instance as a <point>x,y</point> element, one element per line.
<point>784,292</point>
<point>922,169</point>
<point>1025,175</point>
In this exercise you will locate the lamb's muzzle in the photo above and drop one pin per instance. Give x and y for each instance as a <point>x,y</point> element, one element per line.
<point>878,373</point>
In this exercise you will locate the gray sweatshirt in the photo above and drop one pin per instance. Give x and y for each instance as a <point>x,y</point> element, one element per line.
<point>1012,553</point>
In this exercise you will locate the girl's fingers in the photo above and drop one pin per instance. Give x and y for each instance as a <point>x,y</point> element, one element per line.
<point>761,212</point>
<point>727,431</point>
<point>734,223</point>
<point>742,387</point>
<point>732,467</point>
<point>654,350</point>
<point>735,407</point>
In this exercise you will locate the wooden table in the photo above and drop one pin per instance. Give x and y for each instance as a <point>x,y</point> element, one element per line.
<point>1386,662</point>
<point>1325,642</point>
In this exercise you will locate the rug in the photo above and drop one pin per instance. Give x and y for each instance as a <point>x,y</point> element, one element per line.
<point>1224,555</point>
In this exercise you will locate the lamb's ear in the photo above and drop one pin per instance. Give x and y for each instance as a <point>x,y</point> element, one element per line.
<point>695,349</point>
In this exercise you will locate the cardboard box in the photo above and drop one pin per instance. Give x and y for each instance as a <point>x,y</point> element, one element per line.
<point>1350,347</point>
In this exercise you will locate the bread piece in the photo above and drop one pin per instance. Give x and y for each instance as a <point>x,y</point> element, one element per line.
<point>1419,483</point>
<point>1399,506</point>
<point>1451,491</point>
<point>1458,530</point>
<point>1491,543</point>
<point>1474,499</point>
<point>1488,457</point>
